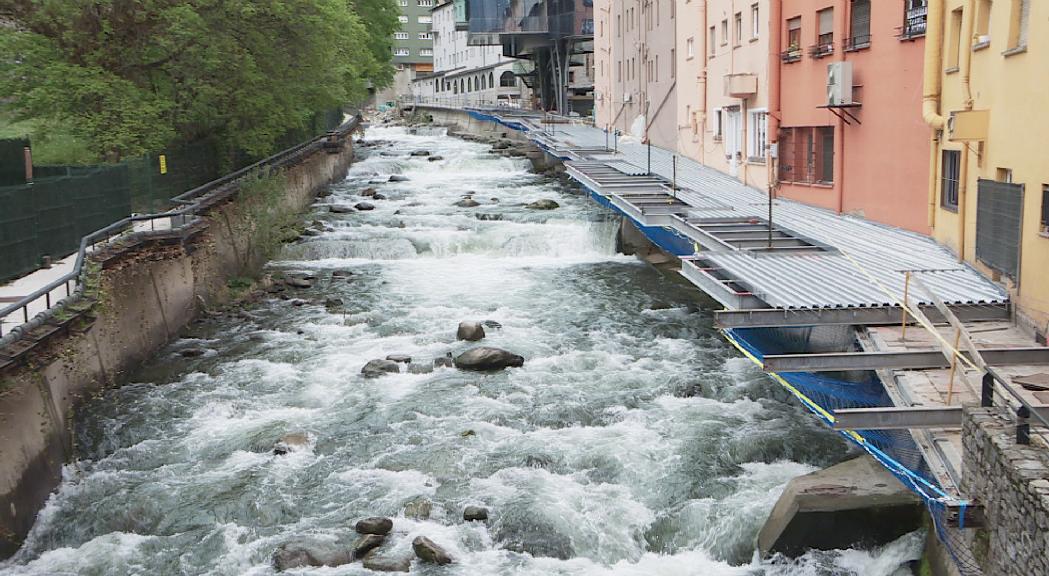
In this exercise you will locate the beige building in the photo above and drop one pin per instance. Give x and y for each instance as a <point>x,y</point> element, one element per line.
<point>635,59</point>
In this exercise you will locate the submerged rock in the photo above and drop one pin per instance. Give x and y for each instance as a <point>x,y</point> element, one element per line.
<point>398,178</point>
<point>435,158</point>
<point>369,192</point>
<point>523,532</point>
<point>375,525</point>
<point>339,209</point>
<point>364,206</point>
<point>421,153</point>
<point>470,331</point>
<point>341,274</point>
<point>418,509</point>
<point>443,362</point>
<point>428,551</point>
<point>377,563</point>
<point>487,359</point>
<point>475,513</point>
<point>420,368</point>
<point>400,358</point>
<point>379,196</point>
<point>192,352</point>
<point>290,556</point>
<point>467,203</point>
<point>290,443</point>
<point>493,324</point>
<point>298,282</point>
<point>377,368</point>
<point>544,204</point>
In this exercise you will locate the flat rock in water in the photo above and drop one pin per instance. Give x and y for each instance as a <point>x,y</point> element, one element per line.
<point>341,274</point>
<point>376,525</point>
<point>544,204</point>
<point>428,551</point>
<point>421,153</point>
<point>378,564</point>
<point>364,206</point>
<point>467,203</point>
<point>298,282</point>
<point>486,359</point>
<point>400,358</point>
<point>339,209</point>
<point>398,178</point>
<point>470,331</point>
<point>435,158</point>
<point>377,368</point>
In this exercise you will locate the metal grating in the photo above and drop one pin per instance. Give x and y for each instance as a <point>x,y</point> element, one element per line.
<point>999,219</point>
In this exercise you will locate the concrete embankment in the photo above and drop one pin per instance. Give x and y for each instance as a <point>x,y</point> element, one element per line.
<point>143,293</point>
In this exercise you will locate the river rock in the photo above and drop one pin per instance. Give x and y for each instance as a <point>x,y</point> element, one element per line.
<point>192,352</point>
<point>298,282</point>
<point>377,563</point>
<point>421,153</point>
<point>468,203</point>
<point>333,302</point>
<point>488,217</point>
<point>486,359</point>
<point>418,509</point>
<point>341,274</point>
<point>428,551</point>
<point>443,362</point>
<point>398,178</point>
<point>290,443</point>
<point>521,531</point>
<point>415,368</point>
<point>470,331</point>
<point>375,525</point>
<point>475,513</point>
<point>545,204</point>
<point>290,556</point>
<point>435,158</point>
<point>366,544</point>
<point>339,209</point>
<point>377,368</point>
<point>379,196</point>
<point>364,206</point>
<point>400,358</point>
<point>368,192</point>
<point>493,324</point>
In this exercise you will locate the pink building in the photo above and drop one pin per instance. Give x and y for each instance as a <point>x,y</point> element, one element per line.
<point>851,136</point>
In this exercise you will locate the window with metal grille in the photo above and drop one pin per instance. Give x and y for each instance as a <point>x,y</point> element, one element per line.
<point>825,150</point>
<point>1045,209</point>
<point>949,179</point>
<point>914,18</point>
<point>825,38</point>
<point>806,155</point>
<point>999,221</point>
<point>859,25</point>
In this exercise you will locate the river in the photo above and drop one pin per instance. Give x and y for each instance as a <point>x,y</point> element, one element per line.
<point>634,441</point>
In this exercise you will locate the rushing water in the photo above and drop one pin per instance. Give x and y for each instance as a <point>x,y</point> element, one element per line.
<point>634,441</point>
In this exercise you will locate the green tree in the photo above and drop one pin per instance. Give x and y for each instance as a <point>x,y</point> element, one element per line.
<point>130,76</point>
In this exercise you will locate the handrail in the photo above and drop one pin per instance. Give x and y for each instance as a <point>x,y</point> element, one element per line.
<point>192,203</point>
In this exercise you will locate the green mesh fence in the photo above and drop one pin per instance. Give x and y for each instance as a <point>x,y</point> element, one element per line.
<point>49,216</point>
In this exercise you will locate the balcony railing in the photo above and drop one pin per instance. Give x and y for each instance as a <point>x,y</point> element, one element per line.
<point>914,22</point>
<point>791,55</point>
<point>822,49</point>
<point>857,43</point>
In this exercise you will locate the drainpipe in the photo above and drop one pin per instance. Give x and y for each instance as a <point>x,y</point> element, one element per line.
<point>775,69</point>
<point>931,95</point>
<point>965,63</point>
<point>839,142</point>
<point>701,121</point>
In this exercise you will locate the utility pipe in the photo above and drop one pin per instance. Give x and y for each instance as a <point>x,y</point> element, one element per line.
<point>839,142</point>
<point>775,72</point>
<point>965,63</point>
<point>931,95</point>
<point>701,120</point>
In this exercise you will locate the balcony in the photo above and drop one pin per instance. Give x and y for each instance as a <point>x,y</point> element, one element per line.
<point>741,85</point>
<point>914,22</point>
<point>824,47</point>
<point>856,43</point>
<point>791,55</point>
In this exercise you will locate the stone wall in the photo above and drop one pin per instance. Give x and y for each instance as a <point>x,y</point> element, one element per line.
<point>1011,481</point>
<point>146,294</point>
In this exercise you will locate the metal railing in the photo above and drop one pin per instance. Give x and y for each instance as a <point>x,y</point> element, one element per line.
<point>193,203</point>
<point>1021,409</point>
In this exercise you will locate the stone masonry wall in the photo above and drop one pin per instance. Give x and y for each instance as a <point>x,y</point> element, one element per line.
<point>1011,481</point>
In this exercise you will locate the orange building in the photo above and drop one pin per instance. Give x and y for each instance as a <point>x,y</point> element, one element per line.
<point>849,107</point>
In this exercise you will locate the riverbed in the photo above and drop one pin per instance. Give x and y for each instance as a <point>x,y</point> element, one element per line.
<point>633,441</point>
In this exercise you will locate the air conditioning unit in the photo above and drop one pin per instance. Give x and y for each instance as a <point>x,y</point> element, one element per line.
<point>626,97</point>
<point>839,83</point>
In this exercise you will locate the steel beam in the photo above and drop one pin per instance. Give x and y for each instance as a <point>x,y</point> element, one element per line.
<point>870,316</point>
<point>904,418</point>
<point>914,360</point>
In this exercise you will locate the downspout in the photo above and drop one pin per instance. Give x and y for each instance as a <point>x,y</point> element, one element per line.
<point>965,63</point>
<point>775,70</point>
<point>839,142</point>
<point>701,121</point>
<point>931,95</point>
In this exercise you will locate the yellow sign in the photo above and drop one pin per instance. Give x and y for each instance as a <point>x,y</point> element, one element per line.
<point>163,164</point>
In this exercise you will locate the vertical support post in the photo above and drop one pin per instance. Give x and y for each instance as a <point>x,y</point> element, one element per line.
<point>649,157</point>
<point>674,181</point>
<point>987,390</point>
<point>606,138</point>
<point>615,141</point>
<point>1023,427</point>
<point>903,312</point>
<point>770,216</point>
<point>954,366</point>
<point>27,154</point>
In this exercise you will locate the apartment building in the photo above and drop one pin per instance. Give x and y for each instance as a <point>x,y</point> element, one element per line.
<point>851,136</point>
<point>412,48</point>
<point>635,53</point>
<point>465,74</point>
<point>985,83</point>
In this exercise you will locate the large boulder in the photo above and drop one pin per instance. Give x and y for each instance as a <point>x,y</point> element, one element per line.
<point>487,359</point>
<point>376,525</point>
<point>470,331</point>
<point>475,513</point>
<point>428,551</point>
<point>290,556</point>
<point>366,544</point>
<point>377,563</point>
<point>544,204</point>
<point>377,368</point>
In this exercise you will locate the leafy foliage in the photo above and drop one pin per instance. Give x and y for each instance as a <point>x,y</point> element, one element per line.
<point>130,76</point>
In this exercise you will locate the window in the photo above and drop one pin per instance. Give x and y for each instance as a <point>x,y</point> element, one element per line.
<point>955,40</point>
<point>425,19</point>
<point>755,22</point>
<point>1045,210</point>
<point>914,16</point>
<point>491,79</point>
<point>425,36</point>
<point>424,3</point>
<point>657,67</point>
<point>719,126</point>
<point>673,63</point>
<point>806,155</point>
<point>1021,15</point>
<point>506,79</point>
<point>983,24</point>
<point>793,51</point>
<point>619,25</point>
<point>690,48</point>
<point>712,43</point>
<point>403,3</point>
<point>825,37</point>
<point>724,32</point>
<point>401,52</point>
<point>426,52</point>
<point>738,29</point>
<point>949,179</point>
<point>400,35</point>
<point>402,19</point>
<point>859,25</point>
<point>757,135</point>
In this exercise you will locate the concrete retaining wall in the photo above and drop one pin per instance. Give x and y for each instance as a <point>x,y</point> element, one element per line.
<point>146,295</point>
<point>1011,481</point>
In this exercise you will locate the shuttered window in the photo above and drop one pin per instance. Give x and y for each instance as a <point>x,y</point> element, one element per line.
<point>806,155</point>
<point>859,24</point>
<point>826,29</point>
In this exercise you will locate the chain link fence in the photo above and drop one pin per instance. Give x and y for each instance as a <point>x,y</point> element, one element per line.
<point>49,216</point>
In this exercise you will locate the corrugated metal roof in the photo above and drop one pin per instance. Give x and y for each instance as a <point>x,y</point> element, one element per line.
<point>804,280</point>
